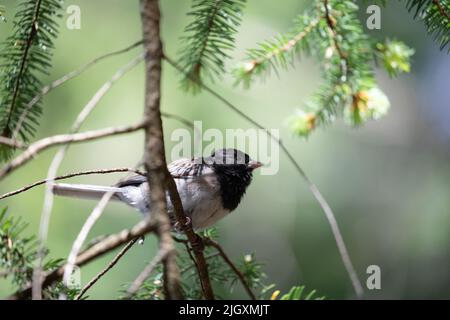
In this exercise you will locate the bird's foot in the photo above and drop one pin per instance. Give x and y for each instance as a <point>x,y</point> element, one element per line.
<point>180,228</point>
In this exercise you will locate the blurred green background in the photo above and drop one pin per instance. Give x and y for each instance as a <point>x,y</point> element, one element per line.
<point>388,182</point>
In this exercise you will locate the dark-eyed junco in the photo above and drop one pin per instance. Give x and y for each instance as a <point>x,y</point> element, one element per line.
<point>209,187</point>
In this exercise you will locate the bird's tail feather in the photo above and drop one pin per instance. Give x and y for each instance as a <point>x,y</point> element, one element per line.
<point>84,191</point>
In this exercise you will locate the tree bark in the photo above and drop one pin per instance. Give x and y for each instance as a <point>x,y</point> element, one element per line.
<point>154,153</point>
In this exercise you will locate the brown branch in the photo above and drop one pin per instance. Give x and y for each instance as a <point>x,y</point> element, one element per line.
<point>106,269</point>
<point>154,157</point>
<point>105,245</point>
<point>331,22</point>
<point>312,187</point>
<point>441,9</point>
<point>195,241</point>
<point>215,244</point>
<point>48,142</point>
<point>67,176</point>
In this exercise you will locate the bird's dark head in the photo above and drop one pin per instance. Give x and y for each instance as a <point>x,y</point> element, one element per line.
<point>232,159</point>
<point>234,170</point>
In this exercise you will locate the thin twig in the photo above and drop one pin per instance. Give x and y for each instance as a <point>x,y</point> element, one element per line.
<point>215,244</point>
<point>12,143</point>
<point>65,78</point>
<point>48,142</point>
<point>137,283</point>
<point>106,269</point>
<point>82,235</point>
<point>67,176</point>
<point>312,187</point>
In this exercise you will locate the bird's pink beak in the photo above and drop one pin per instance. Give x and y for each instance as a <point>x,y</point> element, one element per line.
<point>253,164</point>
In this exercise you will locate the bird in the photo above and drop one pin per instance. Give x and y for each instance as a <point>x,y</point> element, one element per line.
<point>209,187</point>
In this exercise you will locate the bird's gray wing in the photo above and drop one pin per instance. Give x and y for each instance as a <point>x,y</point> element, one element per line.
<point>134,181</point>
<point>189,168</point>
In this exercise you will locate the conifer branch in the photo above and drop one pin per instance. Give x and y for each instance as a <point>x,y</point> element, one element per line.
<point>209,38</point>
<point>31,34</point>
<point>26,54</point>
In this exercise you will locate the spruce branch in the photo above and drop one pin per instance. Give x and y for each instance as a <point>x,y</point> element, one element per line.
<point>436,16</point>
<point>209,38</point>
<point>279,52</point>
<point>26,54</point>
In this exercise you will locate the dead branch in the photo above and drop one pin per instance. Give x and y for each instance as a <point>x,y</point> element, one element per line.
<point>48,142</point>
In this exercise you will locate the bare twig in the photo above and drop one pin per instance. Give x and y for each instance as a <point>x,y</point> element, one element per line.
<point>106,269</point>
<point>67,176</point>
<point>312,187</point>
<point>65,78</point>
<point>48,142</point>
<point>87,226</point>
<point>12,143</point>
<point>154,157</point>
<point>105,245</point>
<point>139,281</point>
<point>82,235</point>
<point>56,162</point>
<point>215,244</point>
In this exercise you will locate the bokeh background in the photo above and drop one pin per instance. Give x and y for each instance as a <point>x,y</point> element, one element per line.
<point>388,182</point>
